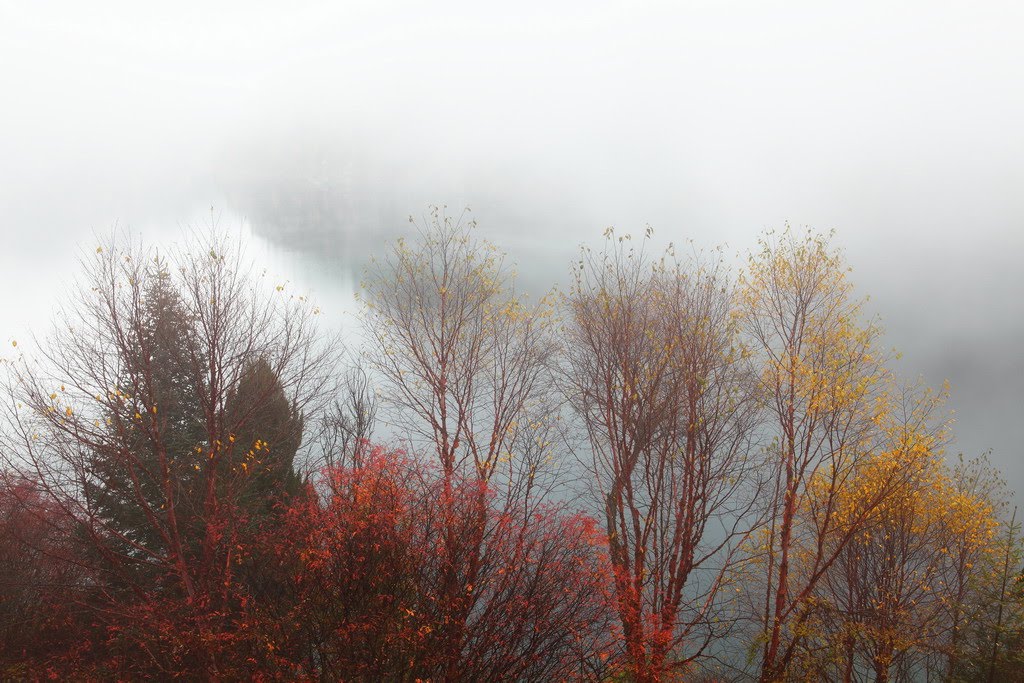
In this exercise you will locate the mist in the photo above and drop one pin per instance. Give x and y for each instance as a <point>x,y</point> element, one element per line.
<point>316,132</point>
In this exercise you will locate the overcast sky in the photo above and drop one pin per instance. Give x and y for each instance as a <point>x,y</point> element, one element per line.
<point>316,130</point>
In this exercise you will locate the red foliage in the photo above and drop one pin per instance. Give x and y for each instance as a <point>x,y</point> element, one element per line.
<point>374,585</point>
<point>36,567</point>
<point>64,616</point>
<point>353,581</point>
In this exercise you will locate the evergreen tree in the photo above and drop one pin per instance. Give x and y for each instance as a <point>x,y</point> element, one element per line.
<point>266,432</point>
<point>159,378</point>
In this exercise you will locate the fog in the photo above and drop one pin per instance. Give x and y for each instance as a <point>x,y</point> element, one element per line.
<point>316,131</point>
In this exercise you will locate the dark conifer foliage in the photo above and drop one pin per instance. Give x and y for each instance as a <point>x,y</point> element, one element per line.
<point>265,430</point>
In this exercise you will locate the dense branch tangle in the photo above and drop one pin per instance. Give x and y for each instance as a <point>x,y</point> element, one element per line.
<point>162,417</point>
<point>898,594</point>
<point>463,353</point>
<point>825,389</point>
<point>660,384</point>
<point>465,361</point>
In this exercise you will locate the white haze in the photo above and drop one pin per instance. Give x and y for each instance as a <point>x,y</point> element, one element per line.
<point>318,129</point>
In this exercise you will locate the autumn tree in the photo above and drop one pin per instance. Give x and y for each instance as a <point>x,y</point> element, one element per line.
<point>371,554</point>
<point>894,600</point>
<point>988,643</point>
<point>37,564</point>
<point>656,374</point>
<point>820,378</point>
<point>462,359</point>
<point>356,607</point>
<point>135,418</point>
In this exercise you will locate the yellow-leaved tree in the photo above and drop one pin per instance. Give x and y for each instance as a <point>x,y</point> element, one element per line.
<point>821,379</point>
<point>897,594</point>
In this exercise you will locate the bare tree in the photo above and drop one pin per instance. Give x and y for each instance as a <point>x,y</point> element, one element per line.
<point>657,376</point>
<point>463,360</point>
<point>349,422</point>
